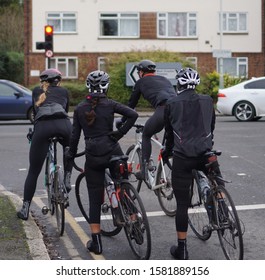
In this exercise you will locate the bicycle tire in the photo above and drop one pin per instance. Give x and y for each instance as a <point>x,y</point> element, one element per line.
<point>229,227</point>
<point>137,230</point>
<point>59,201</point>
<point>134,166</point>
<point>165,194</point>
<point>48,185</point>
<point>198,217</point>
<point>82,197</point>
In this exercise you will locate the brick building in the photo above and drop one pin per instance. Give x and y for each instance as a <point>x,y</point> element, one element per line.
<point>85,31</point>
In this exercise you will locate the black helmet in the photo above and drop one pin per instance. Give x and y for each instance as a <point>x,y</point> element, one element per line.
<point>51,76</point>
<point>147,66</point>
<point>97,82</point>
<point>187,78</point>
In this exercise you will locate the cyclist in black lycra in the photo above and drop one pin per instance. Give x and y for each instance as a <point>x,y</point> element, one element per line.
<point>94,116</point>
<point>156,90</point>
<point>189,125</point>
<point>51,103</point>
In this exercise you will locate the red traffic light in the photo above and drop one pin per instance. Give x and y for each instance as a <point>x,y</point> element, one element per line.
<point>48,39</point>
<point>48,30</point>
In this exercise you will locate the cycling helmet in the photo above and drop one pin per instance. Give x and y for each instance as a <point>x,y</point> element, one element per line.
<point>97,82</point>
<point>51,76</point>
<point>187,78</point>
<point>147,66</point>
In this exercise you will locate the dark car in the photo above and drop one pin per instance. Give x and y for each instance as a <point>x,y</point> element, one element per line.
<point>15,102</point>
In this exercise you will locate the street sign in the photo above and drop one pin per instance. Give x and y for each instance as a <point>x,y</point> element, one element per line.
<point>49,53</point>
<point>222,53</point>
<point>166,69</point>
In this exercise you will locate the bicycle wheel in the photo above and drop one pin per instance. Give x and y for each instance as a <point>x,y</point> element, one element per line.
<point>59,201</point>
<point>48,184</point>
<point>136,227</point>
<point>82,196</point>
<point>134,166</point>
<point>229,227</point>
<point>198,216</point>
<point>165,194</point>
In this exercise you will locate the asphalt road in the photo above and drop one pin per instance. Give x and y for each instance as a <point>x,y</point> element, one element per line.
<point>242,162</point>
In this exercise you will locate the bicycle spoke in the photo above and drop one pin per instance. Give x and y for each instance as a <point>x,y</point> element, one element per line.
<point>229,231</point>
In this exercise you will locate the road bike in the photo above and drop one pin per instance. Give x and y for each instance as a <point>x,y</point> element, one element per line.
<point>121,208</point>
<point>159,177</point>
<point>214,210</point>
<point>58,198</point>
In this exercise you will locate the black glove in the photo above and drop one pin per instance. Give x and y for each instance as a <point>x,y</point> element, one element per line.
<point>68,154</point>
<point>166,154</point>
<point>119,123</point>
<point>30,134</point>
<point>115,135</point>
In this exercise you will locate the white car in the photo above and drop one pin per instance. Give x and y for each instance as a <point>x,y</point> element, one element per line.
<point>245,101</point>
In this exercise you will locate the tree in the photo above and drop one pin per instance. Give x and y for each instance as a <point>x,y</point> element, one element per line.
<point>11,27</point>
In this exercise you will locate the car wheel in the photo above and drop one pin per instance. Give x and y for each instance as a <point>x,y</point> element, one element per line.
<point>244,111</point>
<point>31,115</point>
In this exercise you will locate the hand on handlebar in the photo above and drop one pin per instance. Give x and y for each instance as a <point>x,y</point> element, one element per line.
<point>166,154</point>
<point>30,134</point>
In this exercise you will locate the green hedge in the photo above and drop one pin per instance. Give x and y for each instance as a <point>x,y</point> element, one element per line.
<point>12,66</point>
<point>116,68</point>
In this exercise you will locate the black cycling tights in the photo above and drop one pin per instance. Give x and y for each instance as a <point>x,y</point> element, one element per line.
<point>153,125</point>
<point>43,130</point>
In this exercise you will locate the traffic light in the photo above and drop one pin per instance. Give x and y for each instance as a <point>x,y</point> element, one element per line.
<point>48,37</point>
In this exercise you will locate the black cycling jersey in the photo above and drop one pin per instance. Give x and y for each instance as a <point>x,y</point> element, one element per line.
<point>154,88</point>
<point>54,94</point>
<point>103,124</point>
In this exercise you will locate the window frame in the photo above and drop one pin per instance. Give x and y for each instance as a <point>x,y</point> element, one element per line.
<point>66,62</point>
<point>61,18</point>
<point>238,64</point>
<point>227,16</point>
<point>118,18</point>
<point>189,18</point>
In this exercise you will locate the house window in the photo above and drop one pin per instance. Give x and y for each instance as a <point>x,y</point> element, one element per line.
<point>234,22</point>
<point>119,25</point>
<point>235,66</point>
<point>66,65</point>
<point>62,22</point>
<point>174,25</point>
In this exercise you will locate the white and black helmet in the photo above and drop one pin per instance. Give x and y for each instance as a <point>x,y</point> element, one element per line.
<point>97,82</point>
<point>187,78</point>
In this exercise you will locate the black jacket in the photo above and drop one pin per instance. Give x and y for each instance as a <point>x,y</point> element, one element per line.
<point>103,125</point>
<point>54,95</point>
<point>189,123</point>
<point>154,88</point>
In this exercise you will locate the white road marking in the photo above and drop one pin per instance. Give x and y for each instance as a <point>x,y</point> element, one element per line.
<point>161,213</point>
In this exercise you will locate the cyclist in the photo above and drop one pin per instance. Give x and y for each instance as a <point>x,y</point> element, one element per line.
<point>51,103</point>
<point>94,116</point>
<point>156,90</point>
<point>189,125</point>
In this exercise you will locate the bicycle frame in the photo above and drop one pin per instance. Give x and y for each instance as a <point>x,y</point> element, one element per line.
<point>152,178</point>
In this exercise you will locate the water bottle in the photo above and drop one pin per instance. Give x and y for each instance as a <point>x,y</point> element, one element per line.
<point>204,186</point>
<point>112,194</point>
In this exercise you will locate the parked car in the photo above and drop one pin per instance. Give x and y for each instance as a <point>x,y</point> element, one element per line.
<point>245,101</point>
<point>15,102</point>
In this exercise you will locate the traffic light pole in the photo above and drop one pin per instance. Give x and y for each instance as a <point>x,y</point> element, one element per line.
<point>49,62</point>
